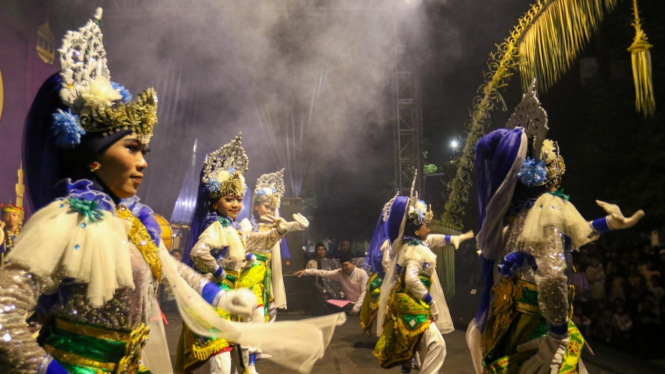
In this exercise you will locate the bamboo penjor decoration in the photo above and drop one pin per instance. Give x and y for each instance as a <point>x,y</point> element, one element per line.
<point>640,56</point>
<point>544,44</point>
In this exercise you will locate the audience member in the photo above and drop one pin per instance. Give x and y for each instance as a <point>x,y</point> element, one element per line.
<point>352,279</point>
<point>176,254</point>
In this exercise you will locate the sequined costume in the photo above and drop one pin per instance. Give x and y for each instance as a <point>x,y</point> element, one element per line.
<point>222,249</point>
<point>379,258</point>
<point>528,229</point>
<point>412,311</point>
<point>85,329</point>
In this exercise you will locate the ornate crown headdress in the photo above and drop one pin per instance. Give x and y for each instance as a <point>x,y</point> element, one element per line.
<point>223,173</point>
<point>11,208</point>
<point>387,206</point>
<point>544,165</point>
<point>270,189</point>
<point>418,210</point>
<point>96,104</point>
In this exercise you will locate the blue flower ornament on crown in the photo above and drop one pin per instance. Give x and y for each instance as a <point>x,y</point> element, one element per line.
<point>544,166</point>
<point>96,104</point>
<point>224,169</point>
<point>270,189</point>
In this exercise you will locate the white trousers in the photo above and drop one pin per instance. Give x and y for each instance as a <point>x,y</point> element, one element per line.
<point>432,350</point>
<point>220,363</point>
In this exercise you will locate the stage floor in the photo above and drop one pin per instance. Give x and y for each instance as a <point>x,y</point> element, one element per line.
<point>351,352</point>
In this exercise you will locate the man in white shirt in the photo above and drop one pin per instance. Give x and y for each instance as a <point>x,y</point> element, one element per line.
<point>352,279</point>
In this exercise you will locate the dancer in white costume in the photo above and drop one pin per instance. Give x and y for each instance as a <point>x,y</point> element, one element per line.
<point>412,311</point>
<point>528,229</point>
<point>90,258</point>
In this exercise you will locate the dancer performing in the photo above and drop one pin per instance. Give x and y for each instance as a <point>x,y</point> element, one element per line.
<point>90,259</point>
<point>412,311</point>
<point>379,258</point>
<point>219,246</point>
<point>265,205</point>
<point>12,218</point>
<point>528,229</point>
<point>89,263</point>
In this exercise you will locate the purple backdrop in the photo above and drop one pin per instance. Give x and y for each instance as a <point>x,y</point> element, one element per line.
<point>22,74</point>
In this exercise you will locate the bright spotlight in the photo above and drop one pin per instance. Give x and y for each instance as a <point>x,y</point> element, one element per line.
<point>454,144</point>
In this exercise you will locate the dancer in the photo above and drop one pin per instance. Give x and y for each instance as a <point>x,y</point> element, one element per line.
<point>89,262</point>
<point>528,228</point>
<point>378,261</point>
<point>265,204</point>
<point>411,295</point>
<point>90,258</point>
<point>219,246</point>
<point>10,226</point>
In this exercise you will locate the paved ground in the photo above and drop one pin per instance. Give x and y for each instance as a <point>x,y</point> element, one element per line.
<point>351,352</point>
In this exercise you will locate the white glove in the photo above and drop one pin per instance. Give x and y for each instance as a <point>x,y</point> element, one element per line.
<point>278,223</point>
<point>301,223</point>
<point>241,302</point>
<point>549,357</point>
<point>457,239</point>
<point>434,311</point>
<point>616,220</point>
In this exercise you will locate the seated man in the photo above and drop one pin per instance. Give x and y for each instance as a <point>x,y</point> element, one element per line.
<point>352,279</point>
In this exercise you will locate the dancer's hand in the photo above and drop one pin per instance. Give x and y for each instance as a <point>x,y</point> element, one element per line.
<point>434,311</point>
<point>456,240</point>
<point>277,223</point>
<point>241,302</point>
<point>549,357</point>
<point>616,220</point>
<point>301,223</point>
<point>299,273</point>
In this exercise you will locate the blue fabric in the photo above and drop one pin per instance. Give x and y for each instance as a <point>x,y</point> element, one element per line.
<point>397,212</point>
<point>447,238</point>
<point>219,272</point>
<point>210,292</point>
<point>252,358</point>
<point>373,257</point>
<point>559,329</point>
<point>515,261</point>
<point>145,215</point>
<point>496,153</point>
<point>284,250</point>
<point>200,221</point>
<point>54,367</point>
<point>488,283</point>
<point>427,298</point>
<point>84,190</point>
<point>600,225</point>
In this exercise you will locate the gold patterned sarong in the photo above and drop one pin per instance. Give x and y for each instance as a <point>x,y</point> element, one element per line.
<point>370,307</point>
<point>514,319</point>
<point>408,318</point>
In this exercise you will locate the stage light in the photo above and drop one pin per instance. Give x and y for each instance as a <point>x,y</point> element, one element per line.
<point>454,144</point>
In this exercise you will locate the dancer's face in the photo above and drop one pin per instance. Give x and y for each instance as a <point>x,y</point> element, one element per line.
<point>263,209</point>
<point>122,166</point>
<point>11,218</point>
<point>423,231</point>
<point>229,206</point>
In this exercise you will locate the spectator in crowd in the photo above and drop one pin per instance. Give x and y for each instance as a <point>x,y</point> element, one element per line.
<point>579,281</point>
<point>352,279</point>
<point>623,322</point>
<point>606,326</point>
<point>582,321</point>
<point>595,275</point>
<point>648,271</point>
<point>315,263</point>
<point>176,254</point>
<point>618,289</point>
<point>657,289</point>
